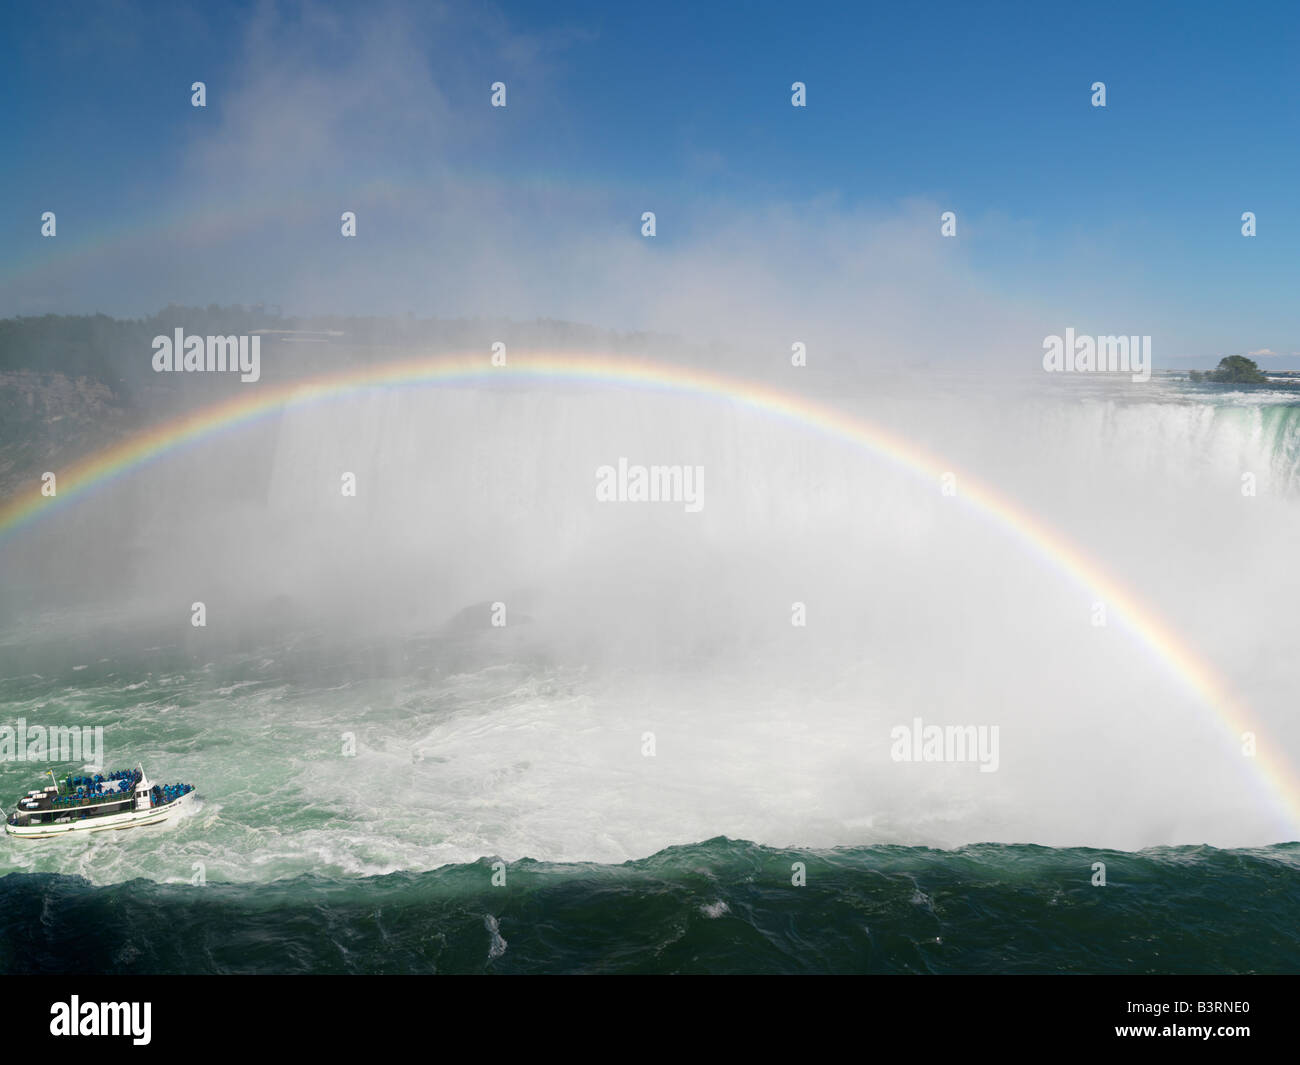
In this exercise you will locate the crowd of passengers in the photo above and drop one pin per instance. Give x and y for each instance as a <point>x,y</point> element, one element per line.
<point>102,786</point>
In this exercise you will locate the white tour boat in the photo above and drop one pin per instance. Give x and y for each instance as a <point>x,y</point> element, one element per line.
<point>97,803</point>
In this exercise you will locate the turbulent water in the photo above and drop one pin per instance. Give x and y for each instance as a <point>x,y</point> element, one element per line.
<point>718,906</point>
<point>648,747</point>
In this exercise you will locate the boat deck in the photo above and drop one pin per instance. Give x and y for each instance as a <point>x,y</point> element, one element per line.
<point>45,803</point>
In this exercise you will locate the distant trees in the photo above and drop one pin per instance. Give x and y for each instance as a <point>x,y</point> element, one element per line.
<point>1232,370</point>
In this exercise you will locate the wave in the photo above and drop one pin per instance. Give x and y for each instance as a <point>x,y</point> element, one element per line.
<point>718,906</point>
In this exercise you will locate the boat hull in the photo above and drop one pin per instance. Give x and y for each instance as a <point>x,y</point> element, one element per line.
<point>107,823</point>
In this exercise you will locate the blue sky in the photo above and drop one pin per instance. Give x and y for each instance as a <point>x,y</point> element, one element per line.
<point>1123,219</point>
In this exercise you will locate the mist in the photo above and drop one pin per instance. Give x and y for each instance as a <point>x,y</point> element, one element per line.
<point>555,676</point>
<point>647,618</point>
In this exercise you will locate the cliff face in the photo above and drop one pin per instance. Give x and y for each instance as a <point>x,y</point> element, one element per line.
<point>71,385</point>
<point>48,420</point>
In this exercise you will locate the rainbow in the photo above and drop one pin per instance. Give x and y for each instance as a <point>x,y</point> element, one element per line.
<point>264,399</point>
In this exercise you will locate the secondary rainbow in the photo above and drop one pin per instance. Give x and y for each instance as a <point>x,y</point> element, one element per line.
<point>264,399</point>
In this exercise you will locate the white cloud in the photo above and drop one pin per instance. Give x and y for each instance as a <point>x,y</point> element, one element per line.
<point>330,113</point>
